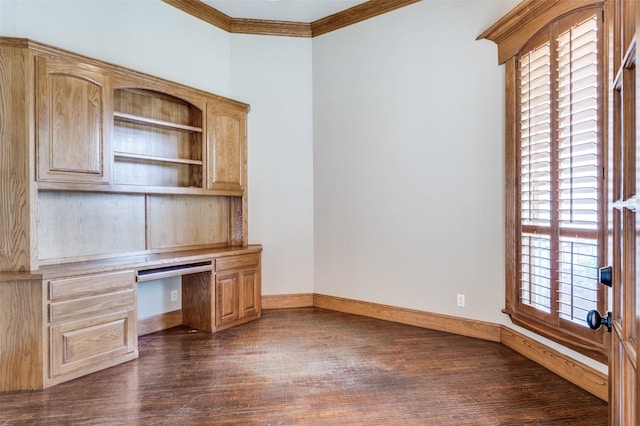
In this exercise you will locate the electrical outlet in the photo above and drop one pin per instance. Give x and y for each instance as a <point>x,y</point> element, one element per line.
<point>174,295</point>
<point>460,300</point>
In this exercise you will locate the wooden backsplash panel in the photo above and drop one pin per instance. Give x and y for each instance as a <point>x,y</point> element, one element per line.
<point>84,224</point>
<point>185,220</point>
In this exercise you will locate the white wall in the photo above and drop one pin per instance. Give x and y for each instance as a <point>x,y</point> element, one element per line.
<point>274,75</point>
<point>408,113</point>
<point>154,297</point>
<point>408,162</point>
<point>146,35</point>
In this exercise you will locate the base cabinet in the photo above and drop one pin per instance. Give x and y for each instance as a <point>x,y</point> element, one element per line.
<point>92,323</point>
<point>237,290</point>
<point>237,296</point>
<point>230,296</point>
<point>54,330</point>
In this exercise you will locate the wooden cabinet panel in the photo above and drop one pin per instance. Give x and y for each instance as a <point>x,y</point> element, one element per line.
<point>198,301</point>
<point>17,228</point>
<point>73,115</point>
<point>80,224</point>
<point>226,141</point>
<point>237,262</point>
<point>88,305</point>
<point>227,299</point>
<point>22,327</point>
<point>84,345</point>
<point>90,284</point>
<point>250,293</point>
<point>177,221</point>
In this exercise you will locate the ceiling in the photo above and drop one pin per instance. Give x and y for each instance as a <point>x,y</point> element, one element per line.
<point>282,10</point>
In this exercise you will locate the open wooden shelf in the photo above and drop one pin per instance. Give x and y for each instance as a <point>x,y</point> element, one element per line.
<point>157,140</point>
<point>132,118</point>
<point>119,154</point>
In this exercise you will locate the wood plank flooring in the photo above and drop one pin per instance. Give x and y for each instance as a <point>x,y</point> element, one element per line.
<point>313,367</point>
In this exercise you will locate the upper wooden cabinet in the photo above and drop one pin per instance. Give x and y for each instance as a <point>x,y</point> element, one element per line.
<point>141,164</point>
<point>73,114</point>
<point>98,124</point>
<point>227,142</point>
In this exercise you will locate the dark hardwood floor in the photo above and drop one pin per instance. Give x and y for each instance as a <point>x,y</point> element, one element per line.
<point>313,367</point>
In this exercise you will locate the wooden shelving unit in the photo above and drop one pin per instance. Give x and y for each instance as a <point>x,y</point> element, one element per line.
<point>131,174</point>
<point>157,139</point>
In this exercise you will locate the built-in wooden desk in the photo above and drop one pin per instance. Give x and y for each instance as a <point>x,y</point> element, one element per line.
<point>66,321</point>
<point>110,177</point>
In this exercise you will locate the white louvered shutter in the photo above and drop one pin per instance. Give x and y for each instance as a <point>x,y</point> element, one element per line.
<point>578,170</point>
<point>559,175</point>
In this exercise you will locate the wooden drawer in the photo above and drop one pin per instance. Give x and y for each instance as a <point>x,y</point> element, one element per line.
<point>124,299</point>
<point>237,262</point>
<point>88,345</point>
<point>90,284</point>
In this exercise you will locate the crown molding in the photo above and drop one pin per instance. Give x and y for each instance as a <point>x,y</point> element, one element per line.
<point>204,12</point>
<point>265,27</point>
<point>356,14</point>
<point>321,26</point>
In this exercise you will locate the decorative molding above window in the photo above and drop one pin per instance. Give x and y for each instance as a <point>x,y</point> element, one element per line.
<point>516,28</point>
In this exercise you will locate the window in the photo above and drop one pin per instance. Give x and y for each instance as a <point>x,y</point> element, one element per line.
<point>560,176</point>
<point>555,175</point>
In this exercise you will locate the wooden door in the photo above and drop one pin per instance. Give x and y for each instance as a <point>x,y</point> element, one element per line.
<point>624,255</point>
<point>250,293</point>
<point>226,144</point>
<point>227,294</point>
<point>73,121</point>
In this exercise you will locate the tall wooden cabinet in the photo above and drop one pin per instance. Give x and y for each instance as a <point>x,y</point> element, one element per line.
<point>110,177</point>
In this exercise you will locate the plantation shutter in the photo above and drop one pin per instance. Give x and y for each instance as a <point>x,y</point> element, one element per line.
<point>578,170</point>
<point>559,175</point>
<point>535,177</point>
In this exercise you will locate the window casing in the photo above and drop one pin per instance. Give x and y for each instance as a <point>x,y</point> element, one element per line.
<point>557,181</point>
